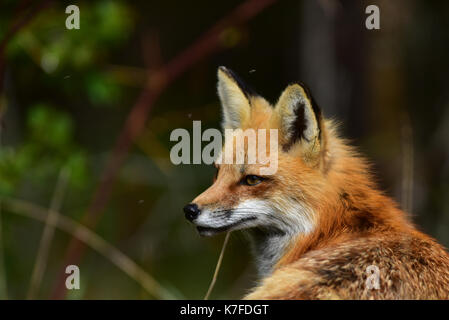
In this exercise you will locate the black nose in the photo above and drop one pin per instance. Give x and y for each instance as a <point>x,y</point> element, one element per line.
<point>192,211</point>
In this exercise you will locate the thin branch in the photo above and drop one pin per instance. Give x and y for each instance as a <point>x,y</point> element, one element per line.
<point>210,42</point>
<point>47,235</point>
<point>217,268</point>
<point>93,240</point>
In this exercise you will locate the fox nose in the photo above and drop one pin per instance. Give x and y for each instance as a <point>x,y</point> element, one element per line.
<point>191,211</point>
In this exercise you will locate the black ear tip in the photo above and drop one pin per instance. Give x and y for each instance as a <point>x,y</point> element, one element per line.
<point>246,89</point>
<point>304,86</point>
<point>231,74</point>
<point>309,95</point>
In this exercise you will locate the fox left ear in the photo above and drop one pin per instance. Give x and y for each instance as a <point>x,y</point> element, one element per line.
<point>300,119</point>
<point>234,96</point>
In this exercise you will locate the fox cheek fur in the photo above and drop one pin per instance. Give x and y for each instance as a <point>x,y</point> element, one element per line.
<point>320,221</point>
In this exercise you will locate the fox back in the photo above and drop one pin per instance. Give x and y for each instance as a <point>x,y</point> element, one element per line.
<point>318,225</point>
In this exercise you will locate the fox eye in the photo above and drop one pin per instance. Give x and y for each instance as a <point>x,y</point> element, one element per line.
<point>252,180</point>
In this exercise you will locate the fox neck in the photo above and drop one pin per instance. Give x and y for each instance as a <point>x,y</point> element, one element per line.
<point>350,211</point>
<point>268,247</point>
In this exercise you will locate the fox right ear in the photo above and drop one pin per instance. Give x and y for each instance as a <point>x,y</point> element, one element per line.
<point>234,99</point>
<point>300,120</point>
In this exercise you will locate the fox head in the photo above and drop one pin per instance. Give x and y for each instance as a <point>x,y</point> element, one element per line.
<point>240,196</point>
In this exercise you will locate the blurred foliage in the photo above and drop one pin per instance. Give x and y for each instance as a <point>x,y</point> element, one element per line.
<point>105,26</point>
<point>48,145</point>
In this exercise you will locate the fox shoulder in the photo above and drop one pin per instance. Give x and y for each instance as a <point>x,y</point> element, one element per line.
<point>408,267</point>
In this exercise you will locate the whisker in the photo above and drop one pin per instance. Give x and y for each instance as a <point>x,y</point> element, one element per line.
<point>235,210</point>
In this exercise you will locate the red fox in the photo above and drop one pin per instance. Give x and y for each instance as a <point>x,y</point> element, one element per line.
<point>319,223</point>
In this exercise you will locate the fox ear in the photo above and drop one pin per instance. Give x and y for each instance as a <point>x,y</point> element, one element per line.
<point>234,97</point>
<point>300,119</point>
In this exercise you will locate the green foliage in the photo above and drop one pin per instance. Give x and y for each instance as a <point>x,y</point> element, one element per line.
<point>114,21</point>
<point>102,90</point>
<point>104,25</point>
<point>49,141</point>
<point>47,148</point>
<point>49,128</point>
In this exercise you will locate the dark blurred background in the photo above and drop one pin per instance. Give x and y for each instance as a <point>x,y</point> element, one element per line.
<point>86,117</point>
